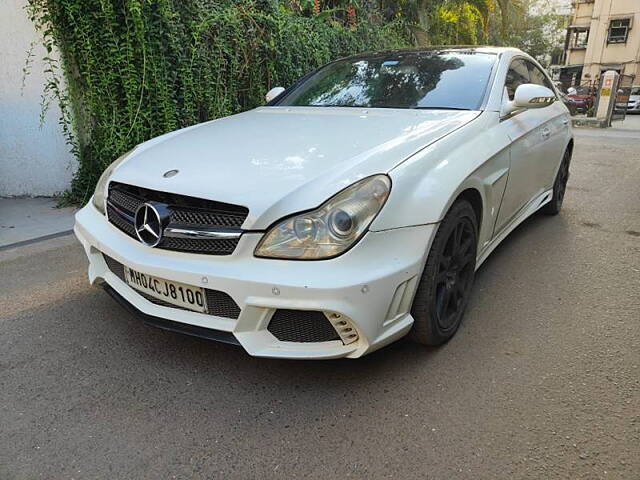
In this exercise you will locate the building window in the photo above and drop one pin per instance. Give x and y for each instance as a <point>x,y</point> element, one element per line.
<point>579,38</point>
<point>619,30</point>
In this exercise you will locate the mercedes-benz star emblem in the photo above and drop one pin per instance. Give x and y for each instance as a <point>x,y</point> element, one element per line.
<point>148,225</point>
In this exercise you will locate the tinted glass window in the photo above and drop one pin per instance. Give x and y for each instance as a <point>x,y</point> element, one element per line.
<point>538,77</point>
<point>619,30</point>
<point>401,80</point>
<point>517,75</point>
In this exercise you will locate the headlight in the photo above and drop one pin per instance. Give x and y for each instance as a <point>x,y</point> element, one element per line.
<point>100,195</point>
<point>331,229</point>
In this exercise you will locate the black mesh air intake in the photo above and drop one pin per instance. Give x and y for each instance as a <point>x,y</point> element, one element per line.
<point>301,326</point>
<point>218,303</point>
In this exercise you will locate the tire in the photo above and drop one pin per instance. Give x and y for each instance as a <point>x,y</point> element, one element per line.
<point>447,279</point>
<point>559,186</point>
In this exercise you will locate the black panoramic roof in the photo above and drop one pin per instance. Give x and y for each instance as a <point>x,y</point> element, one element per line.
<point>431,50</point>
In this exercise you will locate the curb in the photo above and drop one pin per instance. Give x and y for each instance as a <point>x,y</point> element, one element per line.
<point>35,240</point>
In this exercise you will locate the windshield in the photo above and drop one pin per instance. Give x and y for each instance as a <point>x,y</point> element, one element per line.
<point>439,80</point>
<point>635,91</point>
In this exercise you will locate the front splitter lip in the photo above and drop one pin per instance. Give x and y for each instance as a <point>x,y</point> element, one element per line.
<point>260,287</point>
<point>226,337</point>
<point>257,343</point>
<point>170,325</point>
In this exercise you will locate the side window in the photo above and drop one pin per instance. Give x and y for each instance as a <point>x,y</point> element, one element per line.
<point>517,75</point>
<point>538,77</point>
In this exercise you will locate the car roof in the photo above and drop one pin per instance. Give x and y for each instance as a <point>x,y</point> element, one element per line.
<point>467,49</point>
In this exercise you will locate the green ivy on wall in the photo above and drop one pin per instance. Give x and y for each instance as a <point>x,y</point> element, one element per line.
<point>135,69</point>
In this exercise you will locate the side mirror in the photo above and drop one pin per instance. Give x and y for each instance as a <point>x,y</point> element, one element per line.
<point>273,93</point>
<point>530,95</point>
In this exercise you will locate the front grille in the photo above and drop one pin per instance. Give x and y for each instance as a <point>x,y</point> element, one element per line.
<point>223,247</point>
<point>124,225</point>
<point>301,326</point>
<point>218,303</point>
<point>124,201</point>
<point>186,212</point>
<point>205,219</point>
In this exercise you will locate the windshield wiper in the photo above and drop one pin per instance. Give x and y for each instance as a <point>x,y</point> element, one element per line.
<point>440,108</point>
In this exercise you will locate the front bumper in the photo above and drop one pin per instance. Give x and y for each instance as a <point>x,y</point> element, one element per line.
<point>371,285</point>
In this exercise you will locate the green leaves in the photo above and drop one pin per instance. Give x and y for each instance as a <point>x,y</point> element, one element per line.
<point>136,69</point>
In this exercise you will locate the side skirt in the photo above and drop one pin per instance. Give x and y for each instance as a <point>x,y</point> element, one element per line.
<point>531,208</point>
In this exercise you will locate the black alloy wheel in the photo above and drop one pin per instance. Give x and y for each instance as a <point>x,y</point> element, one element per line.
<point>559,186</point>
<point>455,271</point>
<point>447,279</point>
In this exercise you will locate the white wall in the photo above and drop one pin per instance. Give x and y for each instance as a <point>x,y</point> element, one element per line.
<point>34,160</point>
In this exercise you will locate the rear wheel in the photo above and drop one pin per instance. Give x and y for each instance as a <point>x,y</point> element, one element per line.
<point>446,282</point>
<point>559,186</point>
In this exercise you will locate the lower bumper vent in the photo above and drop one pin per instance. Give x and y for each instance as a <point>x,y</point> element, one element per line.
<point>219,303</point>
<point>302,326</point>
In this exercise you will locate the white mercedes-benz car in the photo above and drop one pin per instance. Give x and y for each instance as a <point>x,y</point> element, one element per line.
<point>351,210</point>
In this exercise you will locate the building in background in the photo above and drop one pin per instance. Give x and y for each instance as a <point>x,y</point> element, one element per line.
<point>603,35</point>
<point>563,9</point>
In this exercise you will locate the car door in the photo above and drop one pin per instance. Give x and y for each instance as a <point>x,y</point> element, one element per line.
<point>555,132</point>
<point>525,129</point>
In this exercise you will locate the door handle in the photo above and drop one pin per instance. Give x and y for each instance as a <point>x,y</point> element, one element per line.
<point>546,132</point>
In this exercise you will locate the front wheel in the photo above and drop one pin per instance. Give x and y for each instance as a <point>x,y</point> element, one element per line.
<point>446,282</point>
<point>559,186</point>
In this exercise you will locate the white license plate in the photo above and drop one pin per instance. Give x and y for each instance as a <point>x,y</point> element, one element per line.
<point>175,293</point>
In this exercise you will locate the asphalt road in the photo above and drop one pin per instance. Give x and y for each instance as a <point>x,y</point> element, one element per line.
<point>542,381</point>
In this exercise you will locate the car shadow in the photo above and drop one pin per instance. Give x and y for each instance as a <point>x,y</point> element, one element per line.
<point>520,238</point>
<point>403,355</point>
<point>116,355</point>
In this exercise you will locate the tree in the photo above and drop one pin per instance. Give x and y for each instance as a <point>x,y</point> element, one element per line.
<point>443,21</point>
<point>535,28</point>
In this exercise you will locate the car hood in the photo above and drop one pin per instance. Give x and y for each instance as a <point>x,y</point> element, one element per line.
<point>279,160</point>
